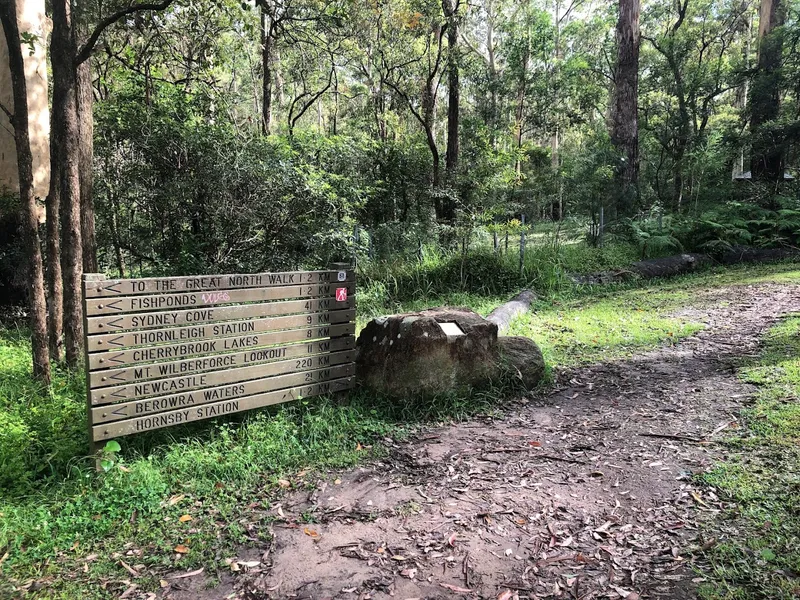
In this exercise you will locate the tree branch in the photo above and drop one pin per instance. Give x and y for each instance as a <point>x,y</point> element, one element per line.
<point>9,114</point>
<point>86,51</point>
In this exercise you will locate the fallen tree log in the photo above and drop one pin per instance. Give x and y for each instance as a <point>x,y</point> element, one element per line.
<point>505,313</point>
<point>681,264</point>
<point>746,254</point>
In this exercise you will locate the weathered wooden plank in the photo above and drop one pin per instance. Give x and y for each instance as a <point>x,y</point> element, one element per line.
<point>119,341</point>
<point>205,315</point>
<point>127,304</point>
<point>138,408</point>
<point>185,383</point>
<point>213,362</point>
<point>109,431</point>
<point>151,354</point>
<point>207,283</point>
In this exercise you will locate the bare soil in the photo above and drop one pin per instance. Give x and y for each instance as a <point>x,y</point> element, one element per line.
<point>585,492</point>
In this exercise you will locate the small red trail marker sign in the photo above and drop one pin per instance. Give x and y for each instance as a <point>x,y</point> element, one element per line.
<point>164,351</point>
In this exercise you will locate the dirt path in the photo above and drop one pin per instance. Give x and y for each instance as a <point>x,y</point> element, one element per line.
<point>585,493</point>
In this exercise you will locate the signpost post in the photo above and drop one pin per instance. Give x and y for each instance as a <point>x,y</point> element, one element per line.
<point>165,351</point>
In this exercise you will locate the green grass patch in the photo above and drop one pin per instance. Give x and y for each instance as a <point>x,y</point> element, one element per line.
<point>762,477</point>
<point>610,326</point>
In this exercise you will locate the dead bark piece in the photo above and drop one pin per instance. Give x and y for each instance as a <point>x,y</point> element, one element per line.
<point>505,313</point>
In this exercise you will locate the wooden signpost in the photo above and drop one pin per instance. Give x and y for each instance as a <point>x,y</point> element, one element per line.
<point>164,351</point>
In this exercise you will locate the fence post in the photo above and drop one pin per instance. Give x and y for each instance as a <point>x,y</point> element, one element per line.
<point>522,246</point>
<point>356,244</point>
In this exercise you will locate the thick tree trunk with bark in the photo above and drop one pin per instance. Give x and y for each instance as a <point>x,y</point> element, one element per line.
<point>450,8</point>
<point>767,156</point>
<point>428,116</point>
<point>55,284</point>
<point>66,136</point>
<point>624,107</point>
<point>30,221</point>
<point>86,125</point>
<point>740,100</point>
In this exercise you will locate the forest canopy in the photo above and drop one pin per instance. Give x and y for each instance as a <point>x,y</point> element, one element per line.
<point>237,136</point>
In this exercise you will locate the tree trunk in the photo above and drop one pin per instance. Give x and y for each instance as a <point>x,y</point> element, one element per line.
<point>267,41</point>
<point>55,289</point>
<point>66,136</point>
<point>30,221</point>
<point>453,96</point>
<point>494,82</point>
<point>766,162</point>
<point>429,137</point>
<point>519,111</point>
<point>740,100</point>
<point>518,115</point>
<point>116,237</point>
<point>555,157</point>
<point>624,109</point>
<point>86,125</point>
<point>428,116</point>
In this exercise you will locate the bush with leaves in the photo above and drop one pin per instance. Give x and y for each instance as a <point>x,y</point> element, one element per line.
<point>742,224</point>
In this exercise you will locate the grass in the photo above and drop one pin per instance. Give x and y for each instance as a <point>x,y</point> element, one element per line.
<point>69,529</point>
<point>581,325</point>
<point>760,557</point>
<point>615,325</point>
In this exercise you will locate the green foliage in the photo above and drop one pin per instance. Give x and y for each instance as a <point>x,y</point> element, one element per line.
<point>742,224</point>
<point>588,329</point>
<point>52,423</point>
<point>482,272</point>
<point>15,439</point>
<point>653,240</point>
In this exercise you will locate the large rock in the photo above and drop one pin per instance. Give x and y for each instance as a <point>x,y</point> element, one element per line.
<point>523,358</point>
<point>427,353</point>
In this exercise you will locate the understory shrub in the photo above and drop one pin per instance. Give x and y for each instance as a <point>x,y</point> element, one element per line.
<point>741,224</point>
<point>15,438</point>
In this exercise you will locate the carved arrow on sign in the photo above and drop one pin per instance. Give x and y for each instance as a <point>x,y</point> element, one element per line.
<point>120,412</point>
<point>115,304</point>
<point>119,376</point>
<point>110,288</point>
<point>115,323</point>
<point>115,341</point>
<point>116,358</point>
<point>119,394</point>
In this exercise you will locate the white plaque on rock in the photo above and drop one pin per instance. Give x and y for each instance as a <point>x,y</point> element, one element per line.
<point>451,329</point>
